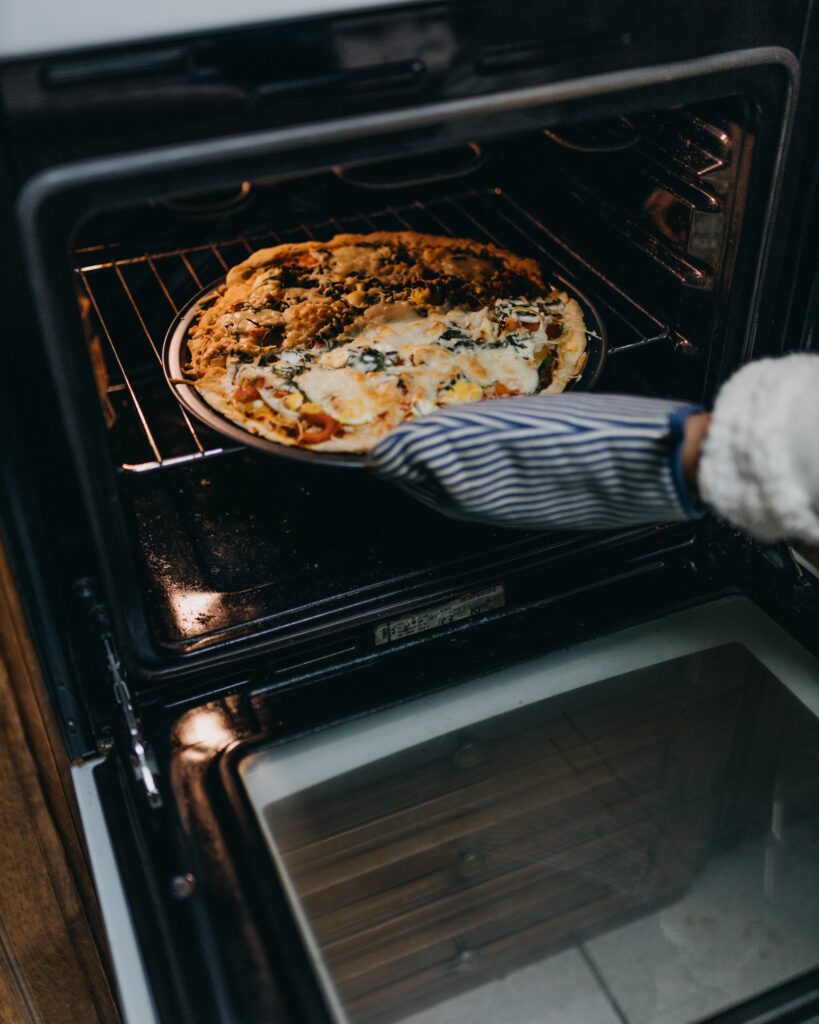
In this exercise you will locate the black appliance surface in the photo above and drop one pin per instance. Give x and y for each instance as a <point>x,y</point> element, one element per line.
<point>660,156</point>
<point>677,232</point>
<point>637,813</point>
<point>668,251</point>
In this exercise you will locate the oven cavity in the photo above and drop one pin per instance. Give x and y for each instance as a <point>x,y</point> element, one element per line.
<point>641,214</point>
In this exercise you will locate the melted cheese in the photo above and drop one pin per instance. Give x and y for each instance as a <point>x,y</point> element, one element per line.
<point>401,364</point>
<point>350,396</point>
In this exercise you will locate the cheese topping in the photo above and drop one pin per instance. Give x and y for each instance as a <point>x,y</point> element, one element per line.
<point>398,365</point>
<point>334,344</point>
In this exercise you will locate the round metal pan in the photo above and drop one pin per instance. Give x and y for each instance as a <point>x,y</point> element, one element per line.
<point>175,356</point>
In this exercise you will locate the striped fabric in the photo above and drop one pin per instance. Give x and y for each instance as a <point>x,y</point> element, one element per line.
<point>566,461</point>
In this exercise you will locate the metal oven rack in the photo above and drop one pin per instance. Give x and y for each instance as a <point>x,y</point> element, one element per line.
<point>134,298</point>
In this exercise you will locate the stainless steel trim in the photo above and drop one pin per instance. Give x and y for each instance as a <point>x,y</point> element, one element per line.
<point>135,1000</point>
<point>55,27</point>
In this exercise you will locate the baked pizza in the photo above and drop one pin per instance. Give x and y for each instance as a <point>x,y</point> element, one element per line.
<point>329,345</point>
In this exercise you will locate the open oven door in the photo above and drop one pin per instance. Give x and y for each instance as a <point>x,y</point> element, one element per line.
<point>466,829</point>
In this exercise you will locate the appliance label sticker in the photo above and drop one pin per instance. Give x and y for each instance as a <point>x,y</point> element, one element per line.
<point>441,615</point>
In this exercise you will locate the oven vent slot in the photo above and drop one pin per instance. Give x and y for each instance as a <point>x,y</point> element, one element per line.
<point>515,56</point>
<point>115,67</point>
<point>134,296</point>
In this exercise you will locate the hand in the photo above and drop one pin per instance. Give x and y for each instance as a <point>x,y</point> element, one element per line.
<point>694,434</point>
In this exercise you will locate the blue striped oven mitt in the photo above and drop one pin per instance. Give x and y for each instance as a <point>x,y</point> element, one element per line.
<point>570,461</point>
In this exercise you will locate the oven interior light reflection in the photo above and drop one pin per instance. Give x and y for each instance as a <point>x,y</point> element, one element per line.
<point>205,729</point>
<point>195,609</point>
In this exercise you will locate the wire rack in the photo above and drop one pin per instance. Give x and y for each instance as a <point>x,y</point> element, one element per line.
<point>135,298</point>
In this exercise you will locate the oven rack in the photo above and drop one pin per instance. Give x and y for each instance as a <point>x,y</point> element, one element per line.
<point>134,299</point>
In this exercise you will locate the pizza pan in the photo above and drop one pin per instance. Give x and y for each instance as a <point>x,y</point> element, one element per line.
<point>175,356</point>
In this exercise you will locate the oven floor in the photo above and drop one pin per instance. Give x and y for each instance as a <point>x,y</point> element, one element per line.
<point>624,831</point>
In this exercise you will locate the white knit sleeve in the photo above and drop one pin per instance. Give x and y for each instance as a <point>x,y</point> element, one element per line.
<point>760,461</point>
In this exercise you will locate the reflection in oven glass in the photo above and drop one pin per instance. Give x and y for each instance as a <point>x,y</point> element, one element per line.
<point>643,849</point>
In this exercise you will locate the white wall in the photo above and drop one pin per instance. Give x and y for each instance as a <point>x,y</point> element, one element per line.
<point>30,27</point>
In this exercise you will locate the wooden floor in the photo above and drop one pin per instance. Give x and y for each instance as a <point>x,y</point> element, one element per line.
<point>52,952</point>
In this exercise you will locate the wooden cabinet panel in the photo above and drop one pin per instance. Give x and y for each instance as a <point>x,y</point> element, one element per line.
<point>51,964</point>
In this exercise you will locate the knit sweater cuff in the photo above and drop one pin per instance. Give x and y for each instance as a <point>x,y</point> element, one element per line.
<point>750,469</point>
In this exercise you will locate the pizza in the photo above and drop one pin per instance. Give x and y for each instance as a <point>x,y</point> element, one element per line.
<point>330,345</point>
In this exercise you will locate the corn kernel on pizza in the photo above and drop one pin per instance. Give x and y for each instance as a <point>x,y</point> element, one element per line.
<point>329,345</point>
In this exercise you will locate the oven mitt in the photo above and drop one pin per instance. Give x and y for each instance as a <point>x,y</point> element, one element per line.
<point>567,461</point>
<point>760,461</point>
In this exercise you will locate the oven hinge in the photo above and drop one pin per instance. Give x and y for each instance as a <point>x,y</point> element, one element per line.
<point>140,753</point>
<point>141,759</point>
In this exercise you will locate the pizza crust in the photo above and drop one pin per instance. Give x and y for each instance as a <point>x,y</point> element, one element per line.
<point>359,333</point>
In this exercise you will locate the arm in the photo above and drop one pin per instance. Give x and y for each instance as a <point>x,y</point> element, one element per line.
<point>570,461</point>
<point>576,461</point>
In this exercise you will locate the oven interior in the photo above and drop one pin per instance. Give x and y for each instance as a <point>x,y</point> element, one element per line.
<point>643,213</point>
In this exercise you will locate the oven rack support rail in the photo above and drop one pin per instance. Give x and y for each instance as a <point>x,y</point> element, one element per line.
<point>134,298</point>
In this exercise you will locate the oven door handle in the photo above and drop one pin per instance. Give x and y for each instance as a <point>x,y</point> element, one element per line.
<point>393,75</point>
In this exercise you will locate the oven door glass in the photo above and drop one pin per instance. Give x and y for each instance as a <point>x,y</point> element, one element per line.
<point>625,831</point>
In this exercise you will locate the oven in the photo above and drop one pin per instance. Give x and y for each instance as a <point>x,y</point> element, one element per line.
<point>340,759</point>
